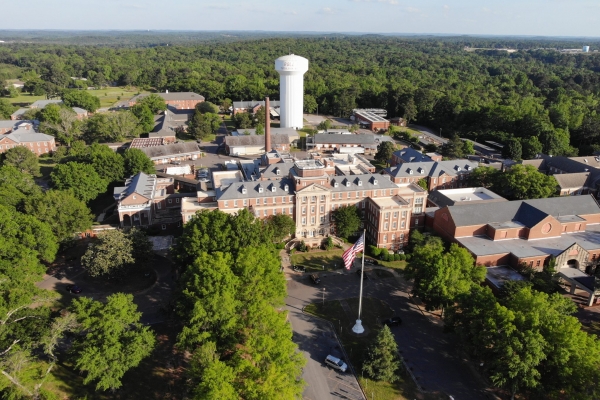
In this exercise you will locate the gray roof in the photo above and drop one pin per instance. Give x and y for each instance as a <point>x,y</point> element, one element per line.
<point>171,150</point>
<point>360,182</point>
<point>173,96</point>
<point>411,155</point>
<point>44,103</point>
<point>432,168</point>
<point>252,103</point>
<point>363,139</point>
<point>22,135</point>
<point>271,170</point>
<point>79,110</point>
<point>525,212</point>
<point>482,246</point>
<point>574,180</point>
<point>253,189</point>
<point>7,123</point>
<point>20,111</point>
<point>291,132</point>
<point>141,183</point>
<point>256,140</point>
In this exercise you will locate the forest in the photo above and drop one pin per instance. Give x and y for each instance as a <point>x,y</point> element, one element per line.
<point>543,98</point>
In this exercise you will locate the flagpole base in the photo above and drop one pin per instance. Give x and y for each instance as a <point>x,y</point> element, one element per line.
<point>358,328</point>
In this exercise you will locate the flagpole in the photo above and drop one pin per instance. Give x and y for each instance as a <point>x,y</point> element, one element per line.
<point>358,328</point>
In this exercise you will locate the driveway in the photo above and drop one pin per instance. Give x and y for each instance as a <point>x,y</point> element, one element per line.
<point>429,352</point>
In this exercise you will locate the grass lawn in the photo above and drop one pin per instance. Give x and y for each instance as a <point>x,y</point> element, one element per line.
<point>315,259</point>
<point>107,96</point>
<point>47,165</point>
<point>393,264</point>
<point>229,123</point>
<point>373,311</point>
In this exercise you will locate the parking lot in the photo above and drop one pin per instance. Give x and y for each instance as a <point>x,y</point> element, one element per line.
<point>431,354</point>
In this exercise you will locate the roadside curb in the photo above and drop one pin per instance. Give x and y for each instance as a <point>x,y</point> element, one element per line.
<point>341,346</point>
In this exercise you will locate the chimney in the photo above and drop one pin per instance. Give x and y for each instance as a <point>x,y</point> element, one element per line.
<point>267,125</point>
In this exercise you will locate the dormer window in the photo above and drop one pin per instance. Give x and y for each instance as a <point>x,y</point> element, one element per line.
<point>273,188</point>
<point>277,171</point>
<point>374,181</point>
<point>286,188</point>
<point>347,183</point>
<point>359,183</point>
<point>260,189</point>
<point>335,184</point>
<point>410,171</point>
<point>458,168</point>
<point>468,167</point>
<point>244,190</point>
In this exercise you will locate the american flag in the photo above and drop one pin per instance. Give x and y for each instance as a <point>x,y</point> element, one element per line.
<point>350,254</point>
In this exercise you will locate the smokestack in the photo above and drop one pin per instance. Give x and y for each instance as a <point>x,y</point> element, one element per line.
<point>267,125</point>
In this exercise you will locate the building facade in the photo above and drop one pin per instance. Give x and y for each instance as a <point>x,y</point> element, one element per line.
<point>38,143</point>
<point>437,174</point>
<point>177,100</point>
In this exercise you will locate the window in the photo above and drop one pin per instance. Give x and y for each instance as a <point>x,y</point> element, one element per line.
<point>322,197</point>
<point>312,210</point>
<point>158,205</point>
<point>393,237</point>
<point>537,264</point>
<point>384,238</point>
<point>363,204</point>
<point>375,193</point>
<point>291,199</point>
<point>531,263</point>
<point>394,225</point>
<point>164,227</point>
<point>312,220</point>
<point>235,203</point>
<point>274,211</point>
<point>322,219</point>
<point>418,210</point>
<point>226,203</point>
<point>264,213</point>
<point>313,199</point>
<point>387,215</point>
<point>177,200</point>
<point>303,210</point>
<point>245,202</point>
<point>283,211</point>
<point>403,214</point>
<point>303,220</point>
<point>304,199</point>
<point>333,196</point>
<point>396,214</point>
<point>403,224</point>
<point>322,209</point>
<point>386,226</point>
<point>419,200</point>
<point>364,193</point>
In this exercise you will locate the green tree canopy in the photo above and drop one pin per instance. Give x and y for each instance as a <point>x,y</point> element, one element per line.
<point>204,124</point>
<point>385,151</point>
<point>154,102</point>
<point>242,120</point>
<point>112,340</point>
<point>512,149</point>
<point>523,182</point>
<point>347,221</point>
<point>207,107</point>
<point>16,187</point>
<point>382,361</point>
<point>67,129</point>
<point>145,117</point>
<point>136,161</point>
<point>62,211</point>
<point>106,162</point>
<point>6,109</point>
<point>23,159</point>
<point>82,99</point>
<point>80,179</point>
<point>281,226</point>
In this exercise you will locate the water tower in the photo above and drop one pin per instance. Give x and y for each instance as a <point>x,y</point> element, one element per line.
<point>291,89</point>
<point>586,49</point>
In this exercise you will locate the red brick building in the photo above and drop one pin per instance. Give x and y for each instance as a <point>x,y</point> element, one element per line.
<point>438,174</point>
<point>526,232</point>
<point>38,143</point>
<point>177,100</point>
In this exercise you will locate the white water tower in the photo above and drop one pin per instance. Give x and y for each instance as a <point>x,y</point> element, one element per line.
<point>586,49</point>
<point>291,89</point>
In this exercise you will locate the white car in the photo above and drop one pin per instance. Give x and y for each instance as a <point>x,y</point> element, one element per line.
<point>335,363</point>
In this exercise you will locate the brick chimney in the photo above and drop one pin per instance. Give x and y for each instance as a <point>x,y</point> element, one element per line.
<point>267,125</point>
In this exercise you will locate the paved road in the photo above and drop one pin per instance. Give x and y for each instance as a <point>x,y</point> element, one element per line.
<point>429,133</point>
<point>428,351</point>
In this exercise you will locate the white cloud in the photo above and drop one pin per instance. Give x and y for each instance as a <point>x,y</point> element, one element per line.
<point>327,10</point>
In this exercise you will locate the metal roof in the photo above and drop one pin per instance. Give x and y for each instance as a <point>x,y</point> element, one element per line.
<point>174,149</point>
<point>23,135</point>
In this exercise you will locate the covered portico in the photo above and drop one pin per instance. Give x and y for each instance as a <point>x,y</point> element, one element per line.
<point>579,280</point>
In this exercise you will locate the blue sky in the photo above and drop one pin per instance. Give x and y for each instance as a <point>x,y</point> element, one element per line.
<point>506,17</point>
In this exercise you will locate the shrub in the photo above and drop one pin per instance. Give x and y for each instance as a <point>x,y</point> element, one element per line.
<point>384,253</point>
<point>407,257</point>
<point>401,257</point>
<point>396,257</point>
<point>374,250</point>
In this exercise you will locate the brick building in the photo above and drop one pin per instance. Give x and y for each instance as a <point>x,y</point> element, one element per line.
<point>526,232</point>
<point>38,143</point>
<point>177,100</point>
<point>350,144</point>
<point>371,119</point>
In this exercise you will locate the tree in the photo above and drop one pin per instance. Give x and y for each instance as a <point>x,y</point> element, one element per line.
<point>467,148</point>
<point>63,213</point>
<point>454,148</point>
<point>68,129</point>
<point>382,361</point>
<point>207,107</point>
<point>111,255</point>
<point>487,177</point>
<point>410,110</point>
<point>385,151</point>
<point>310,104</point>
<point>23,160</point>
<point>137,161</point>
<point>112,340</point>
<point>281,226</point>
<point>109,165</point>
<point>50,114</point>
<point>6,109</point>
<point>82,99</point>
<point>512,149</point>
<point>423,184</point>
<point>325,125</point>
<point>116,253</point>
<point>260,117</point>
<point>531,147</point>
<point>354,128</point>
<point>226,105</point>
<point>242,120</point>
<point>202,125</point>
<point>113,127</point>
<point>16,187</point>
<point>347,221</point>
<point>145,117</point>
<point>523,182</point>
<point>80,179</point>
<point>154,102</point>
